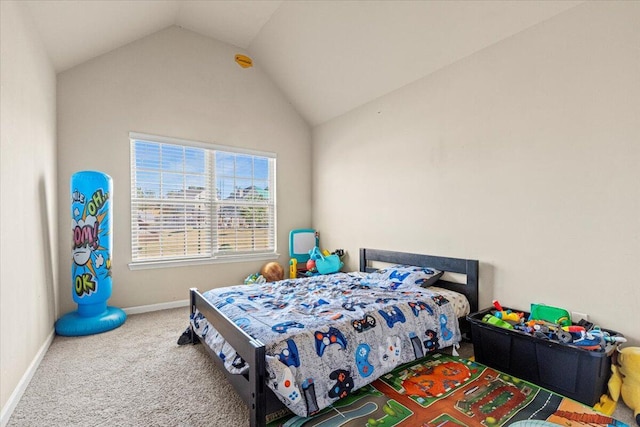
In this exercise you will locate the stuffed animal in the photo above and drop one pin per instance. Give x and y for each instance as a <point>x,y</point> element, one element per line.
<point>625,379</point>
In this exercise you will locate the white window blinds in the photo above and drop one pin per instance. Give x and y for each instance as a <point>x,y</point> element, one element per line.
<point>192,201</point>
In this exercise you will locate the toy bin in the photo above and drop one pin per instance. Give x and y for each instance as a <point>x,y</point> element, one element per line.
<point>565,369</point>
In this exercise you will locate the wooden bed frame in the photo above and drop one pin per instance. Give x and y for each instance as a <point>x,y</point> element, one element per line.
<point>252,386</point>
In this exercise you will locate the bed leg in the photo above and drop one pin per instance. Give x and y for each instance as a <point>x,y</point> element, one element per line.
<point>189,336</point>
<point>258,409</point>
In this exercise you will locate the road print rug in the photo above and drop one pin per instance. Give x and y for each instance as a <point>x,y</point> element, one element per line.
<point>447,391</point>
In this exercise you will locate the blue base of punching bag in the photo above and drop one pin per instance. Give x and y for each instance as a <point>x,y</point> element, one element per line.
<point>84,322</point>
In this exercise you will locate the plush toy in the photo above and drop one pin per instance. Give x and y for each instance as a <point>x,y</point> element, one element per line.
<point>254,278</point>
<point>625,379</point>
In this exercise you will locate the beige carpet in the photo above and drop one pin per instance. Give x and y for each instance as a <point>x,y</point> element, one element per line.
<point>136,375</point>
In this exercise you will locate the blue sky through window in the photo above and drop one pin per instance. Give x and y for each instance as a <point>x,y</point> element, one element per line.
<point>171,169</point>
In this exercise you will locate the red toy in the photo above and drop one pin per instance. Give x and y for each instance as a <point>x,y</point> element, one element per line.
<point>507,315</point>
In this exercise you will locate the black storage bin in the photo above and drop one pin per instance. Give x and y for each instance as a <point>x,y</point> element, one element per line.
<point>568,370</point>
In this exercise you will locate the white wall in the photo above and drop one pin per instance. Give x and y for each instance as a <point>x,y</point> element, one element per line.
<point>28,258</point>
<point>525,156</point>
<point>173,83</point>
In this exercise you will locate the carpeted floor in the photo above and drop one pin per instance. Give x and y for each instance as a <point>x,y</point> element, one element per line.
<point>136,375</point>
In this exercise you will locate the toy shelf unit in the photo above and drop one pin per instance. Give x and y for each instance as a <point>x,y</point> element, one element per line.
<point>566,369</point>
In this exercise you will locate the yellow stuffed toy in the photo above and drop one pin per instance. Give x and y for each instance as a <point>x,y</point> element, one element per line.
<point>625,380</point>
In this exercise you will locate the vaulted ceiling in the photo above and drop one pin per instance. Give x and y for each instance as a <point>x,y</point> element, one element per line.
<point>328,57</point>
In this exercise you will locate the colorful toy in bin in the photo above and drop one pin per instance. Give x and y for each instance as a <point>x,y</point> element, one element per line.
<point>495,321</point>
<point>507,315</point>
<point>550,314</point>
<point>552,323</point>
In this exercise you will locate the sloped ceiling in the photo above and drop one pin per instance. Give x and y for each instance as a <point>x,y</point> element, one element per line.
<point>328,57</point>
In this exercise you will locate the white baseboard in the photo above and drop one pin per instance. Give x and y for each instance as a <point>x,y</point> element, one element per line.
<point>156,307</point>
<point>15,397</point>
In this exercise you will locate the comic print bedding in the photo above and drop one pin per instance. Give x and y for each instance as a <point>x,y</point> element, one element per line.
<point>328,335</point>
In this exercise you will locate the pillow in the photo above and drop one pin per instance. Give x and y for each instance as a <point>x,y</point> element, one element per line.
<point>407,275</point>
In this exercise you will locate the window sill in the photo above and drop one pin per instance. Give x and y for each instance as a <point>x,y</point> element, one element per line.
<point>146,265</point>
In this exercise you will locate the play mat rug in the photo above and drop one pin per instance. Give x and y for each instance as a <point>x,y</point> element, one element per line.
<point>442,390</point>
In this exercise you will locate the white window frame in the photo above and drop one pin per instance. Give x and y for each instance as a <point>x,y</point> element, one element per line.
<point>214,203</point>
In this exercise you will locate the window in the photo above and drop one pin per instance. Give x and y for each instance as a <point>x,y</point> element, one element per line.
<point>199,202</point>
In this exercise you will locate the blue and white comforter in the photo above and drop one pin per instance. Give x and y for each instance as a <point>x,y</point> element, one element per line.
<point>326,336</point>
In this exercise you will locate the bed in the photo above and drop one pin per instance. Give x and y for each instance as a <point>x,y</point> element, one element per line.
<point>378,310</point>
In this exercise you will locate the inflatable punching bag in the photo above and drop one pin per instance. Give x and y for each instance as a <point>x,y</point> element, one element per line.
<point>91,281</point>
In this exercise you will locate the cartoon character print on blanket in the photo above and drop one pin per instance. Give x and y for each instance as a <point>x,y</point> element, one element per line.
<point>325,339</point>
<point>446,333</point>
<point>343,384</point>
<point>365,368</point>
<point>285,385</point>
<point>329,335</point>
<point>367,322</point>
<point>290,356</point>
<point>431,343</point>
<point>420,306</point>
<point>392,315</point>
<point>390,353</point>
